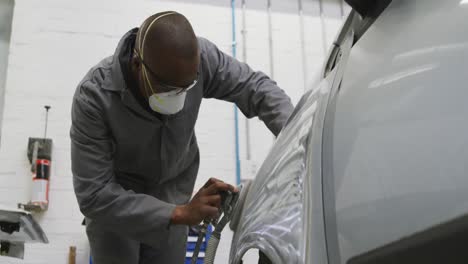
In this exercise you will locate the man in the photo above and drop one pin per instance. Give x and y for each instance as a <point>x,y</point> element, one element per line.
<point>134,152</point>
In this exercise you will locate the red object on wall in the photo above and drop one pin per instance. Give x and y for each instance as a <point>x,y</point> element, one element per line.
<point>40,186</point>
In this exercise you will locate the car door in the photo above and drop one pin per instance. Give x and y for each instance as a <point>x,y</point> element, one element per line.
<point>396,139</point>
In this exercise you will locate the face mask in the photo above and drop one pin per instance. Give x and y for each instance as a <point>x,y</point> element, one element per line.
<point>167,103</point>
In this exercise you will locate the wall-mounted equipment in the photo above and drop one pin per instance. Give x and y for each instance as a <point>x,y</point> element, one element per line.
<point>40,156</point>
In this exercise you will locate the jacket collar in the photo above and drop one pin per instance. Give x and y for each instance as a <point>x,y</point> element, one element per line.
<point>118,81</point>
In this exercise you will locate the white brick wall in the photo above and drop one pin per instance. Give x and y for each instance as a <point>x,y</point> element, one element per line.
<point>54,43</point>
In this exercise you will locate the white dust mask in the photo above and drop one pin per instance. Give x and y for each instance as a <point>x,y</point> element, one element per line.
<point>167,103</point>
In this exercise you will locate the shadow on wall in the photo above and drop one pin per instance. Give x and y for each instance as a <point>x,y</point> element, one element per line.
<point>6,17</point>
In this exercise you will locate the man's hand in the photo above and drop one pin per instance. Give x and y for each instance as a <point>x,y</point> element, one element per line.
<point>204,205</point>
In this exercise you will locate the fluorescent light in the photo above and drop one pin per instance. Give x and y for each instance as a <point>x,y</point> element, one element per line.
<point>464,2</point>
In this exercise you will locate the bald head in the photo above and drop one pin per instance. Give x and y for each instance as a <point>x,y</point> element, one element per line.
<point>168,46</point>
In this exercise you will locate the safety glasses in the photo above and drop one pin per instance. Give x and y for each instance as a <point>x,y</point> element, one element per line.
<point>167,87</point>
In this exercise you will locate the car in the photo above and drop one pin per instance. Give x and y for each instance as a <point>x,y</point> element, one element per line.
<point>18,227</point>
<point>372,165</point>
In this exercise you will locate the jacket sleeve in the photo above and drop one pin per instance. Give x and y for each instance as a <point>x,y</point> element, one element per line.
<point>253,92</point>
<point>138,216</point>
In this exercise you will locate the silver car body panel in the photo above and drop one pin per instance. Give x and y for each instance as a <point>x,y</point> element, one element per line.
<point>399,129</point>
<point>390,150</point>
<point>274,218</point>
<point>283,216</point>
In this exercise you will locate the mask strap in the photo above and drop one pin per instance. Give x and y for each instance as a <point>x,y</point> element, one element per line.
<point>135,51</point>
<point>145,77</point>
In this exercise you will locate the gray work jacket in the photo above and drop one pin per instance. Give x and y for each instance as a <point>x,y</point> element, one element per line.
<point>130,169</point>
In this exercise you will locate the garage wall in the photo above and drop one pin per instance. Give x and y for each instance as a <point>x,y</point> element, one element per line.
<point>55,42</point>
